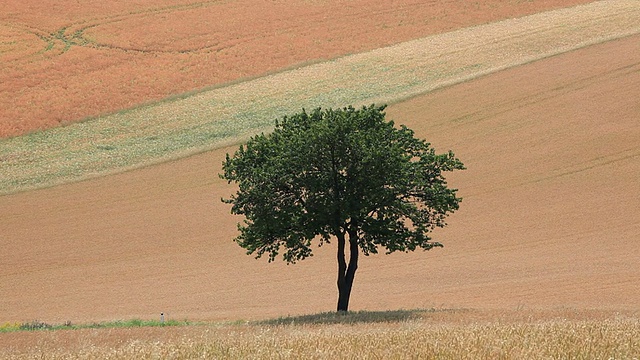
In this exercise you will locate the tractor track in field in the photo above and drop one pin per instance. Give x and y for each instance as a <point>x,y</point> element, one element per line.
<point>225,115</point>
<point>73,34</point>
<point>81,27</point>
<point>60,40</point>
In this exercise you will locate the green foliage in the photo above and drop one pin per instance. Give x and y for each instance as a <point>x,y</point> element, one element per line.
<point>331,173</point>
<point>9,326</point>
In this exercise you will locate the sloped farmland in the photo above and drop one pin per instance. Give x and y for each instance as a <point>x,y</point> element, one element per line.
<point>229,114</point>
<point>549,218</point>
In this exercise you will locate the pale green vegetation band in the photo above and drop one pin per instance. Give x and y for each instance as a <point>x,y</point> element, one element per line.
<point>228,115</point>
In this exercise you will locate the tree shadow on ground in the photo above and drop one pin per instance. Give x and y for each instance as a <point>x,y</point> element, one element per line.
<point>351,317</point>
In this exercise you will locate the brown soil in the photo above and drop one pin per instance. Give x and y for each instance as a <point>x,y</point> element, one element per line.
<point>549,218</point>
<point>62,62</point>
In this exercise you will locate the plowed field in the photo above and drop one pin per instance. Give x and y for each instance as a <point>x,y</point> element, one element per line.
<point>549,217</point>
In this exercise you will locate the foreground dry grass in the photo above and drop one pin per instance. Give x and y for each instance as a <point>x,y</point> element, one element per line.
<point>433,334</point>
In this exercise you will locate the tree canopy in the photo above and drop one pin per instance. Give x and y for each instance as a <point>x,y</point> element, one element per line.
<point>347,175</point>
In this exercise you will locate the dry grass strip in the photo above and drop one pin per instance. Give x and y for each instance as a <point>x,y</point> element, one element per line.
<point>221,116</point>
<point>611,337</point>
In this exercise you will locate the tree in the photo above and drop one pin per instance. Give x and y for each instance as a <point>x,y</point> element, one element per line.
<point>346,175</point>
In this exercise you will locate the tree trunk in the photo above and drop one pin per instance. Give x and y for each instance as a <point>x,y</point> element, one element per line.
<point>346,273</point>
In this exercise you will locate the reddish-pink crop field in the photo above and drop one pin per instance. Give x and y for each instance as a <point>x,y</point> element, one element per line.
<point>63,61</point>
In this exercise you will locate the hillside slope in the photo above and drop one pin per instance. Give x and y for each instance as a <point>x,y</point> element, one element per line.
<point>218,117</point>
<point>549,217</point>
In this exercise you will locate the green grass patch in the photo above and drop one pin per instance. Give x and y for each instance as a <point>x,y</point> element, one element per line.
<point>37,325</point>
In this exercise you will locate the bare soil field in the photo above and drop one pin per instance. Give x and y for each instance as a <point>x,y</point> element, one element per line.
<point>549,217</point>
<point>63,61</point>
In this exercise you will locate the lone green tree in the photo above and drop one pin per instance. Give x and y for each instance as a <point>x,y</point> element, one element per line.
<point>342,175</point>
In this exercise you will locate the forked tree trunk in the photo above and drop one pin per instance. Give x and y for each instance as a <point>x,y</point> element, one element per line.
<point>346,273</point>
